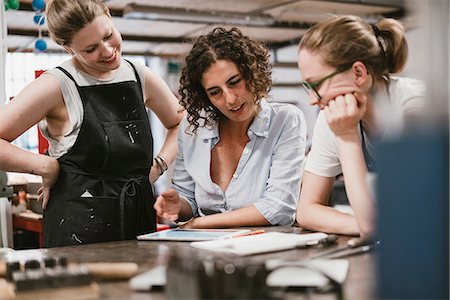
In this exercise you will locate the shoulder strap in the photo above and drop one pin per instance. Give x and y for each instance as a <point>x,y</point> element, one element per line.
<point>67,74</point>
<point>135,71</point>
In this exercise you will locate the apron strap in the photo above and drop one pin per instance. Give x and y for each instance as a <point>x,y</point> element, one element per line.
<point>67,74</point>
<point>138,79</point>
<point>131,189</point>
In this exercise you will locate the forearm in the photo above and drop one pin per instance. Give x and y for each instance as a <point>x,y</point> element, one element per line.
<point>15,159</point>
<point>247,216</point>
<point>166,155</point>
<point>355,173</point>
<point>169,149</point>
<point>319,217</point>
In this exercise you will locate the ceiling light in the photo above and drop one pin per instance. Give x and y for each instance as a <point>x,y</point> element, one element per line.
<point>136,11</point>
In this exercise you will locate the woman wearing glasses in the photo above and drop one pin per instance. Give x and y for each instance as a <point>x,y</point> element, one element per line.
<point>346,65</point>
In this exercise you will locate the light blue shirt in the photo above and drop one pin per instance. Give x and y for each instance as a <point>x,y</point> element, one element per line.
<point>268,174</point>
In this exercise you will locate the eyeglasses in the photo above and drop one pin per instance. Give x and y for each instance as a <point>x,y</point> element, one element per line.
<point>313,86</point>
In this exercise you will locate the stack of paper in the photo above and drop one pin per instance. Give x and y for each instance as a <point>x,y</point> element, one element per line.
<point>260,243</point>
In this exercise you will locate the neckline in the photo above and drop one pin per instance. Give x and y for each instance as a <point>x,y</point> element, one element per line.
<point>79,68</point>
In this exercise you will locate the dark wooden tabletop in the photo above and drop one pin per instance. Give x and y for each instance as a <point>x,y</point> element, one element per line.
<point>359,284</point>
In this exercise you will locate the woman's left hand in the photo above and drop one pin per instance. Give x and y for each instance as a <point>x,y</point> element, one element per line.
<point>345,112</point>
<point>49,177</point>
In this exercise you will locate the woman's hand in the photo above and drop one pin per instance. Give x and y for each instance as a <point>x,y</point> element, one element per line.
<point>168,205</point>
<point>49,178</point>
<point>345,112</point>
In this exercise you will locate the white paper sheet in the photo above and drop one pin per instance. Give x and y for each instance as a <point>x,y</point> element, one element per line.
<point>260,243</point>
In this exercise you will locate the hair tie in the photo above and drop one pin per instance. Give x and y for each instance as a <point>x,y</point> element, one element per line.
<point>379,36</point>
<point>376,30</point>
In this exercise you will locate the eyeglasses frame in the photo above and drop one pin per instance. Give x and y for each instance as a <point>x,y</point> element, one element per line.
<point>312,86</point>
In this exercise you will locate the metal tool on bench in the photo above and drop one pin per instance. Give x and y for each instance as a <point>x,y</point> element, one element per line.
<point>50,276</point>
<point>352,247</point>
<point>101,270</point>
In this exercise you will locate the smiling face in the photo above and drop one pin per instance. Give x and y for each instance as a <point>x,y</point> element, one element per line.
<point>96,47</point>
<point>314,70</point>
<point>227,91</point>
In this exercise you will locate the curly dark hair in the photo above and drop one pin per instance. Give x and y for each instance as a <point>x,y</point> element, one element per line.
<point>250,57</point>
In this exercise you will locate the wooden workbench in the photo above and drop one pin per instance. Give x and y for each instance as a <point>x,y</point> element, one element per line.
<point>147,254</point>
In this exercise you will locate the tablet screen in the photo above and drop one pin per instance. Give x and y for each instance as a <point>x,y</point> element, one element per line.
<point>192,234</point>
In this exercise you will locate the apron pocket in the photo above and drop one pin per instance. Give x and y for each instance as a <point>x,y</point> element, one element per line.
<point>92,219</point>
<point>130,143</point>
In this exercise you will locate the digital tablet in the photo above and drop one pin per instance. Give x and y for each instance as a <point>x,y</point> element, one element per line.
<point>179,234</point>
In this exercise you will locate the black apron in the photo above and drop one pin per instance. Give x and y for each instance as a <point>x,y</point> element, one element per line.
<point>103,191</point>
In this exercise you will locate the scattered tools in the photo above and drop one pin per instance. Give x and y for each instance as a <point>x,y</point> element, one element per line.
<point>52,277</point>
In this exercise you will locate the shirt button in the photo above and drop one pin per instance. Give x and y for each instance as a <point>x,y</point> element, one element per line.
<point>235,176</point>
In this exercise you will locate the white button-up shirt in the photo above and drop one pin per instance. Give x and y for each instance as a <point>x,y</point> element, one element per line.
<point>268,174</point>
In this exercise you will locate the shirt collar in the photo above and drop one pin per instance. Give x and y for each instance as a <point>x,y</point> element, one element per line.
<point>259,126</point>
<point>261,123</point>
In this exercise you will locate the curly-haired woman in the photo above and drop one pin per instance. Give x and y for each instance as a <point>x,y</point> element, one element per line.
<point>239,159</point>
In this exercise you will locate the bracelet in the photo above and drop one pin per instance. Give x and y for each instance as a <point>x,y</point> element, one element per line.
<point>161,164</point>
<point>181,223</point>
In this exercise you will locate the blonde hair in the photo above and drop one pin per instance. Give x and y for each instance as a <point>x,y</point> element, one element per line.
<point>342,40</point>
<point>67,17</point>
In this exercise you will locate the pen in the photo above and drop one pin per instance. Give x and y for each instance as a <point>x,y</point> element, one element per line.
<point>250,233</point>
<point>347,250</point>
<point>350,251</point>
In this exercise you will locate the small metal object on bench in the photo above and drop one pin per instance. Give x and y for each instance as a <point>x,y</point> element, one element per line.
<point>353,246</point>
<point>53,272</point>
<point>48,277</point>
